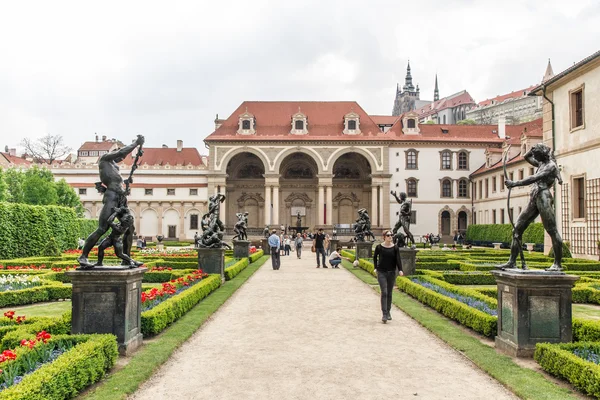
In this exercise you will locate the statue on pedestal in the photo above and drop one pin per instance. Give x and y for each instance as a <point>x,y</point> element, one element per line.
<point>298,221</point>
<point>362,228</point>
<point>540,203</point>
<point>240,226</point>
<point>115,191</point>
<point>403,221</point>
<point>123,215</point>
<point>212,227</point>
<point>266,232</point>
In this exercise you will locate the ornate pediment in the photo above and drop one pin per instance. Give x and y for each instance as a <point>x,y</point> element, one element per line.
<point>255,196</point>
<point>350,196</point>
<point>302,196</point>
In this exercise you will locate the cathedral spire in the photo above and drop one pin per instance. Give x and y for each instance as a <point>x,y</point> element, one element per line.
<point>436,92</point>
<point>408,85</point>
<point>549,73</point>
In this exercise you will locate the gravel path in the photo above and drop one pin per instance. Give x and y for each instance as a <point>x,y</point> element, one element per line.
<point>307,333</point>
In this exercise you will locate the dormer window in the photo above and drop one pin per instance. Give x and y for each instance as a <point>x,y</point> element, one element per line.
<point>299,123</point>
<point>410,123</point>
<point>351,124</point>
<point>246,124</point>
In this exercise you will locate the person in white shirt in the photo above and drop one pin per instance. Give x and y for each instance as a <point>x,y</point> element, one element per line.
<point>335,258</point>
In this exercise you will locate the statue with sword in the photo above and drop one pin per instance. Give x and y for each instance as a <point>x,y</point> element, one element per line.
<point>540,203</point>
<point>115,191</point>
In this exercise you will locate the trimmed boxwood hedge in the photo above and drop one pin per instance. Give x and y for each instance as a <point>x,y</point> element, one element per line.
<point>502,233</point>
<point>256,256</point>
<point>348,254</point>
<point>469,278</point>
<point>232,271</point>
<point>558,360</point>
<point>73,371</point>
<point>157,319</point>
<point>48,291</point>
<point>54,325</point>
<point>585,330</point>
<point>468,316</point>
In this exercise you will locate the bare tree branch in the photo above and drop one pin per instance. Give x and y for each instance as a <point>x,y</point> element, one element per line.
<point>46,149</point>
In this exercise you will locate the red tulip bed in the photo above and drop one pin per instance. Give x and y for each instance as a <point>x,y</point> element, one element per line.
<point>153,297</point>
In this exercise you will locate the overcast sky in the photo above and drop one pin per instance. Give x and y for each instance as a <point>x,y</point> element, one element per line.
<point>119,68</point>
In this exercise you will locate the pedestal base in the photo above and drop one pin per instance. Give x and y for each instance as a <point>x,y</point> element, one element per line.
<point>334,244</point>
<point>364,250</point>
<point>409,260</point>
<point>264,244</point>
<point>160,246</point>
<point>241,248</point>
<point>108,300</point>
<point>212,261</point>
<point>533,307</point>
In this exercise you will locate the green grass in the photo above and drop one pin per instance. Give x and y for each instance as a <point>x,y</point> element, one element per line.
<point>586,311</point>
<point>50,309</point>
<point>525,383</point>
<point>152,355</point>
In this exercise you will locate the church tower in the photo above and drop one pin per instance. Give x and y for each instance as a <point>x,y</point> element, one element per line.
<point>436,92</point>
<point>406,98</point>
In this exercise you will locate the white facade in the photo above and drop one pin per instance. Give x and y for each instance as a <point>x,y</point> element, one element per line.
<point>515,110</point>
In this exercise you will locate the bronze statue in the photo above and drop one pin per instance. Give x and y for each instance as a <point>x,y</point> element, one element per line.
<point>362,228</point>
<point>123,214</point>
<point>403,220</point>
<point>266,232</point>
<point>540,203</point>
<point>240,226</point>
<point>298,220</point>
<point>212,226</point>
<point>115,191</point>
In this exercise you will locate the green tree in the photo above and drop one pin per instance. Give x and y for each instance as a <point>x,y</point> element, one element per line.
<point>430,122</point>
<point>466,122</point>
<point>3,187</point>
<point>14,181</point>
<point>67,197</point>
<point>39,187</point>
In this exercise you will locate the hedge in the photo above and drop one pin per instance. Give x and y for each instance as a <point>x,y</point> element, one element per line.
<point>468,316</point>
<point>157,319</point>
<point>558,360</point>
<point>236,268</point>
<point>469,278</point>
<point>48,291</point>
<point>502,233</point>
<point>53,325</point>
<point>256,256</point>
<point>585,330</point>
<point>350,255</point>
<point>85,227</point>
<point>438,265</point>
<point>74,370</point>
<point>25,229</point>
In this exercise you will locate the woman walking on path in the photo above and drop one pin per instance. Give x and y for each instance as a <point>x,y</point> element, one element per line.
<point>298,244</point>
<point>386,260</point>
<point>286,245</point>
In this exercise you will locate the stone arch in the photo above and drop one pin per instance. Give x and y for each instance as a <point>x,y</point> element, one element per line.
<point>87,213</point>
<point>461,225</point>
<point>367,155</point>
<point>443,229</point>
<point>148,222</point>
<point>345,206</point>
<point>254,204</point>
<point>311,153</point>
<point>171,219</point>
<point>229,155</point>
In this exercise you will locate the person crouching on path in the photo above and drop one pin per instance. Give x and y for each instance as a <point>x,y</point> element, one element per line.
<point>319,244</point>
<point>275,245</point>
<point>386,260</point>
<point>298,244</point>
<point>335,258</point>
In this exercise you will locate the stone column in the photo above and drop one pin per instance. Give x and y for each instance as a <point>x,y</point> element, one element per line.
<point>320,202</point>
<point>329,202</point>
<point>159,211</point>
<point>182,220</point>
<point>276,205</point>
<point>267,211</point>
<point>374,208</point>
<point>380,222</point>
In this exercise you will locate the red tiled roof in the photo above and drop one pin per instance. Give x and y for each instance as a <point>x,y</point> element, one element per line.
<point>384,119</point>
<point>564,73</point>
<point>162,156</point>
<point>15,160</point>
<point>501,98</point>
<point>494,150</point>
<point>91,146</point>
<point>454,100</point>
<point>273,122</point>
<point>516,159</point>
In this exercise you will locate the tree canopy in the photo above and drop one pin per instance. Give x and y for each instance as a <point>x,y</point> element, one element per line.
<point>46,149</point>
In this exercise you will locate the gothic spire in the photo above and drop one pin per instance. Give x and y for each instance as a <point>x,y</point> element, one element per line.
<point>408,85</point>
<point>549,73</point>
<point>436,92</point>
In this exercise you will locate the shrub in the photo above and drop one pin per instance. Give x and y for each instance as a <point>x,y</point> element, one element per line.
<point>256,256</point>
<point>158,318</point>
<point>51,249</point>
<point>235,269</point>
<point>586,330</point>
<point>463,278</point>
<point>502,233</point>
<point>55,326</point>
<point>566,251</point>
<point>76,369</point>
<point>559,360</point>
<point>348,254</point>
<point>86,226</point>
<point>48,291</point>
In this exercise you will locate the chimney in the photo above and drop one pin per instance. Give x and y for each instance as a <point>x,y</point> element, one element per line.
<point>104,138</point>
<point>164,146</point>
<point>218,122</point>
<point>6,149</point>
<point>96,138</point>
<point>179,145</point>
<point>502,127</point>
<point>12,152</point>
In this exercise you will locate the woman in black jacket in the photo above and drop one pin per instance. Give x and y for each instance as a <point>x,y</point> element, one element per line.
<point>386,259</point>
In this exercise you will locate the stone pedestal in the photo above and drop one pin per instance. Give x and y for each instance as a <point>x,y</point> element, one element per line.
<point>212,261</point>
<point>108,300</point>
<point>409,260</point>
<point>241,248</point>
<point>160,246</point>
<point>334,244</point>
<point>529,247</point>
<point>533,307</point>
<point>264,244</point>
<point>364,250</point>
<point>497,246</point>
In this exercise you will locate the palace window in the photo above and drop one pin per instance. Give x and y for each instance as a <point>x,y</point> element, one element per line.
<point>487,188</point>
<point>193,192</point>
<point>579,198</point>
<point>463,160</point>
<point>446,188</point>
<point>493,184</point>
<point>299,125</point>
<point>410,123</point>
<point>502,215</point>
<point>521,174</point>
<point>446,160</point>
<point>351,124</point>
<point>246,124</point>
<point>194,221</point>
<point>411,187</point>
<point>480,190</point>
<point>577,115</point>
<point>170,192</point>
<point>463,188</point>
<point>83,153</point>
<point>148,192</point>
<point>411,159</point>
<point>493,216</point>
<point>82,191</point>
<point>531,171</point>
<point>413,217</point>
